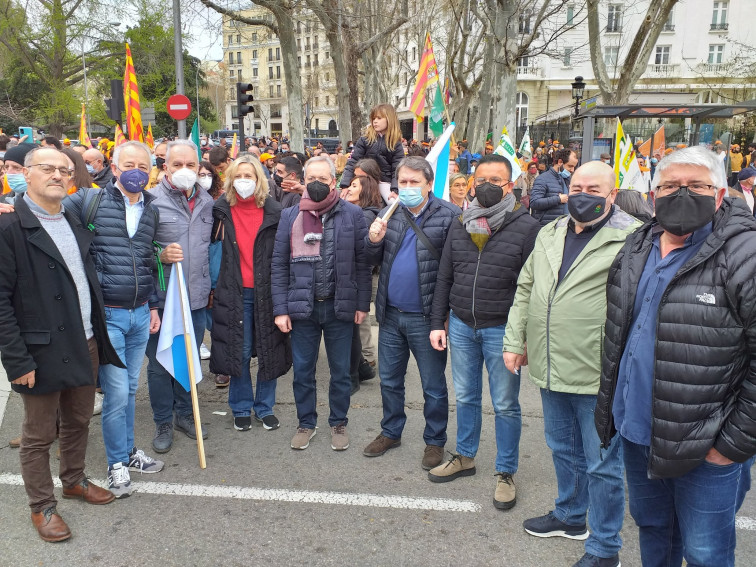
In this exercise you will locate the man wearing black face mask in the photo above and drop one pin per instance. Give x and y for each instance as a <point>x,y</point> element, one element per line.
<point>477,278</point>
<point>678,380</point>
<point>548,197</point>
<point>287,176</point>
<point>321,287</point>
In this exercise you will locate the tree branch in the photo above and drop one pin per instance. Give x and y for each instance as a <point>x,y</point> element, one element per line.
<point>235,16</point>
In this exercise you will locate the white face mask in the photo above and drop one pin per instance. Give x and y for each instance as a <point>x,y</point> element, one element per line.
<point>205,182</point>
<point>184,179</point>
<point>244,187</point>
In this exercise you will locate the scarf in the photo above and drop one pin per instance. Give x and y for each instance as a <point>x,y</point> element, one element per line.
<point>481,223</point>
<point>307,230</point>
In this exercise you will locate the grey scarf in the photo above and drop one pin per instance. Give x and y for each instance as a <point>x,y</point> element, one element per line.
<point>481,222</point>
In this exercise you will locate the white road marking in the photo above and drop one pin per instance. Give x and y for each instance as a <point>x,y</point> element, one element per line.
<point>281,495</point>
<point>745,523</point>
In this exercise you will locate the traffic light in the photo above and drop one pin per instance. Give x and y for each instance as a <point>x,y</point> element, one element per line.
<point>243,97</point>
<point>114,105</point>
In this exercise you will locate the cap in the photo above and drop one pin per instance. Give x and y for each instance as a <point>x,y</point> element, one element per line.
<point>18,153</point>
<point>66,142</point>
<point>746,173</point>
<point>265,157</point>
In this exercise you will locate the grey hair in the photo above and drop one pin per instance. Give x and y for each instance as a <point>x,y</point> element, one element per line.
<point>30,154</point>
<point>131,144</point>
<point>696,155</point>
<point>324,159</point>
<point>416,163</point>
<point>178,143</point>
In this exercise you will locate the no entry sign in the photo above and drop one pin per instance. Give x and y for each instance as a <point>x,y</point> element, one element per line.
<point>179,107</point>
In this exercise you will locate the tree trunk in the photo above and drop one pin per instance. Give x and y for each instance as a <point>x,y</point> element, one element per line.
<point>292,76</point>
<point>357,119</point>
<point>479,117</point>
<point>505,94</point>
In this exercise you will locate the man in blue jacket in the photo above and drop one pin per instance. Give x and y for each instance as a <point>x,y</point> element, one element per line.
<point>548,198</point>
<point>321,286</point>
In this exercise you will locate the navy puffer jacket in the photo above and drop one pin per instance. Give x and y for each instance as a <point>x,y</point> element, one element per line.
<point>125,266</point>
<point>435,224</point>
<point>545,205</point>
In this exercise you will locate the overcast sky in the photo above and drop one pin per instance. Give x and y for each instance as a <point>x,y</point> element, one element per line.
<point>204,27</point>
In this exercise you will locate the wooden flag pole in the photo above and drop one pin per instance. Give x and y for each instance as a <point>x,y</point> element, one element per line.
<point>387,215</point>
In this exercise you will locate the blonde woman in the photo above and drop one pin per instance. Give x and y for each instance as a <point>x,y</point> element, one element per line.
<point>458,190</point>
<point>246,218</point>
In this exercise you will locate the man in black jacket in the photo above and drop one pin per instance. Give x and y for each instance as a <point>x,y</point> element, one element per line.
<point>679,364</point>
<point>52,335</point>
<point>408,249</point>
<point>484,253</point>
<point>548,198</point>
<point>97,167</point>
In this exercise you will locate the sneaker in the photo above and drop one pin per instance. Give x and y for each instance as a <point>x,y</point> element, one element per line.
<point>185,423</point>
<point>222,380</point>
<point>301,440</point>
<point>505,495</point>
<point>549,526</point>
<point>269,422</point>
<point>432,457</point>
<point>589,560</point>
<point>243,423</point>
<point>119,482</point>
<point>339,438</point>
<point>163,440</point>
<point>204,353</point>
<point>455,467</point>
<point>97,410</point>
<point>138,461</point>
<point>366,370</point>
<point>380,445</point>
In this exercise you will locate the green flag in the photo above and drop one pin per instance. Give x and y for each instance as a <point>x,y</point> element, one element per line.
<point>195,137</point>
<point>436,117</point>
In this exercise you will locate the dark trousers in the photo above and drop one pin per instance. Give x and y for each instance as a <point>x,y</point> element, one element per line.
<point>73,409</point>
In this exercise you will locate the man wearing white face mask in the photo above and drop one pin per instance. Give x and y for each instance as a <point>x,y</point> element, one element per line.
<point>186,220</point>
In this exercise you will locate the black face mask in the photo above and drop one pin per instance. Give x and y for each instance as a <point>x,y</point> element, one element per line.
<point>586,208</point>
<point>159,162</point>
<point>683,213</point>
<point>317,190</point>
<point>488,194</point>
<point>278,179</point>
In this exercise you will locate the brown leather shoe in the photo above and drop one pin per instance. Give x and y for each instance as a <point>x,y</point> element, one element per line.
<point>89,492</point>
<point>15,443</point>
<point>432,457</point>
<point>50,525</point>
<point>222,381</point>
<point>380,445</point>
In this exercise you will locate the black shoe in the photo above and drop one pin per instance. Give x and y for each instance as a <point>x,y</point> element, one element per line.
<point>269,422</point>
<point>549,526</point>
<point>589,560</point>
<point>366,371</point>
<point>185,424</point>
<point>243,423</point>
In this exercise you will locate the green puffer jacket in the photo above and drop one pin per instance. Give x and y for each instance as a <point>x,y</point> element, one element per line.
<point>563,326</point>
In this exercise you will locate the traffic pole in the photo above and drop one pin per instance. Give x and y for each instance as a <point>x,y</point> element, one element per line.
<point>178,53</point>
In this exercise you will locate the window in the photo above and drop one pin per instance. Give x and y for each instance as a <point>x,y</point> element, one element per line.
<point>299,60</point>
<point>414,53</point>
<point>299,27</point>
<point>611,55</point>
<point>328,54</point>
<point>567,56</point>
<point>270,72</point>
<point>570,15</point>
<point>234,112</point>
<point>308,61</point>
<point>232,74</point>
<point>238,57</point>
<point>525,23</point>
<point>254,54</point>
<point>278,90</point>
<point>238,38</point>
<point>278,53</point>
<point>307,43</point>
<point>239,74</point>
<point>299,43</point>
<point>315,60</point>
<point>230,58</point>
<point>522,62</point>
<point>271,91</point>
<point>716,52</point>
<point>317,123</point>
<point>521,109</point>
<point>270,54</point>
<point>254,72</point>
<point>327,77</point>
<point>614,18</point>
<point>669,25</point>
<point>719,16</point>
<point>278,71</point>
<point>662,55</point>
<point>328,100</point>
<point>230,39</point>
<point>307,27</point>
<point>254,37</point>
<point>317,101</point>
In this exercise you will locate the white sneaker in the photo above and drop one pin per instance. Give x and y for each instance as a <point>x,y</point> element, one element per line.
<point>138,461</point>
<point>98,403</point>
<point>204,353</point>
<point>119,481</point>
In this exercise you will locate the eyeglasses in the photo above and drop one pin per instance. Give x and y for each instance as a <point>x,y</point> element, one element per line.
<point>693,189</point>
<point>495,180</point>
<point>48,169</point>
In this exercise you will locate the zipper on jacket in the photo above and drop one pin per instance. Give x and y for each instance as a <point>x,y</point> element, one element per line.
<point>475,283</point>
<point>136,277</point>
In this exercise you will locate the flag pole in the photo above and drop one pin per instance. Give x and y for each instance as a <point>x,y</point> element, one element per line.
<point>192,382</point>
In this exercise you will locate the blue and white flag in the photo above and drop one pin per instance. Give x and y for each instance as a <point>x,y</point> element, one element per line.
<point>438,158</point>
<point>177,321</point>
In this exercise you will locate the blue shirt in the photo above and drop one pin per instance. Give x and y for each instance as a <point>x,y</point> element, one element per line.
<point>635,381</point>
<point>133,214</point>
<point>404,279</point>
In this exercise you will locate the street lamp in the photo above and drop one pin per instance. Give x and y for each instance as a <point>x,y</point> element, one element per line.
<point>577,93</point>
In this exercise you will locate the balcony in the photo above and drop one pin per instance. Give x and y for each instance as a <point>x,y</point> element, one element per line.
<point>529,72</point>
<point>666,70</point>
<point>668,28</point>
<point>719,27</point>
<point>711,68</point>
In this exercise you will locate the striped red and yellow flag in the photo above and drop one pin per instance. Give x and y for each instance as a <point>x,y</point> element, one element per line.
<point>148,139</point>
<point>131,100</point>
<point>427,75</point>
<point>83,134</point>
<point>119,137</point>
<point>234,153</point>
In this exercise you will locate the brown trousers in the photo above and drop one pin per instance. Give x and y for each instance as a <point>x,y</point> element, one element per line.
<point>73,408</point>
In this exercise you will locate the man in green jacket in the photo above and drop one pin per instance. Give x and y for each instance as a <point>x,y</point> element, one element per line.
<point>556,325</point>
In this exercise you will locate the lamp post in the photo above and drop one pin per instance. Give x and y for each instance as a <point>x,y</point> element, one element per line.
<point>578,87</point>
<point>196,86</point>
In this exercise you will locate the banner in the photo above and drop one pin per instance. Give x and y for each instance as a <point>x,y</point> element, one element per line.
<point>659,144</point>
<point>436,116</point>
<point>506,149</point>
<point>131,100</point>
<point>427,75</point>
<point>623,154</point>
<point>525,149</point>
<point>83,135</point>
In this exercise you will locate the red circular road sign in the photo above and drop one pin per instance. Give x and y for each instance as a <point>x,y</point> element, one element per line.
<point>179,107</point>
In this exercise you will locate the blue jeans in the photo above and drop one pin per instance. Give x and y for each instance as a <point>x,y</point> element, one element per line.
<point>399,334</point>
<point>691,516</point>
<point>469,349</point>
<point>586,474</point>
<point>167,395</point>
<point>241,398</point>
<point>305,346</point>
<point>128,330</point>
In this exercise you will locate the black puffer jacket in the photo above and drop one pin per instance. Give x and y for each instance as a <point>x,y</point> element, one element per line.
<point>125,266</point>
<point>271,347</point>
<point>387,159</point>
<point>435,224</point>
<point>704,392</point>
<point>545,204</point>
<point>480,286</point>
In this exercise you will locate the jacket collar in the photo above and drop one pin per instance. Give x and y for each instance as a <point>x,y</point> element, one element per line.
<point>116,193</point>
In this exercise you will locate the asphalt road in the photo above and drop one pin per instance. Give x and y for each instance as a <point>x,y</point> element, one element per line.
<point>260,502</point>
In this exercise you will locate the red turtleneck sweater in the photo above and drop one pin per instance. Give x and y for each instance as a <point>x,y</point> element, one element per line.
<point>248,218</point>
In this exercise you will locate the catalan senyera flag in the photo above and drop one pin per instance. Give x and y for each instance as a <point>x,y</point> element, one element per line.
<point>427,75</point>
<point>131,100</point>
<point>119,137</point>
<point>234,153</point>
<point>83,134</point>
<point>148,139</point>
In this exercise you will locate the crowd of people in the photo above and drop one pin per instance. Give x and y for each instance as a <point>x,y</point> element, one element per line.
<point>635,314</point>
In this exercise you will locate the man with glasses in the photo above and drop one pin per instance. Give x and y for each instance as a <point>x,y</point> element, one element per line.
<point>482,258</point>
<point>556,327</point>
<point>95,161</point>
<point>52,336</point>
<point>678,379</point>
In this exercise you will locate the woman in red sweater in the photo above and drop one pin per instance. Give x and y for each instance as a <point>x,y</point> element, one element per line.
<point>246,219</point>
